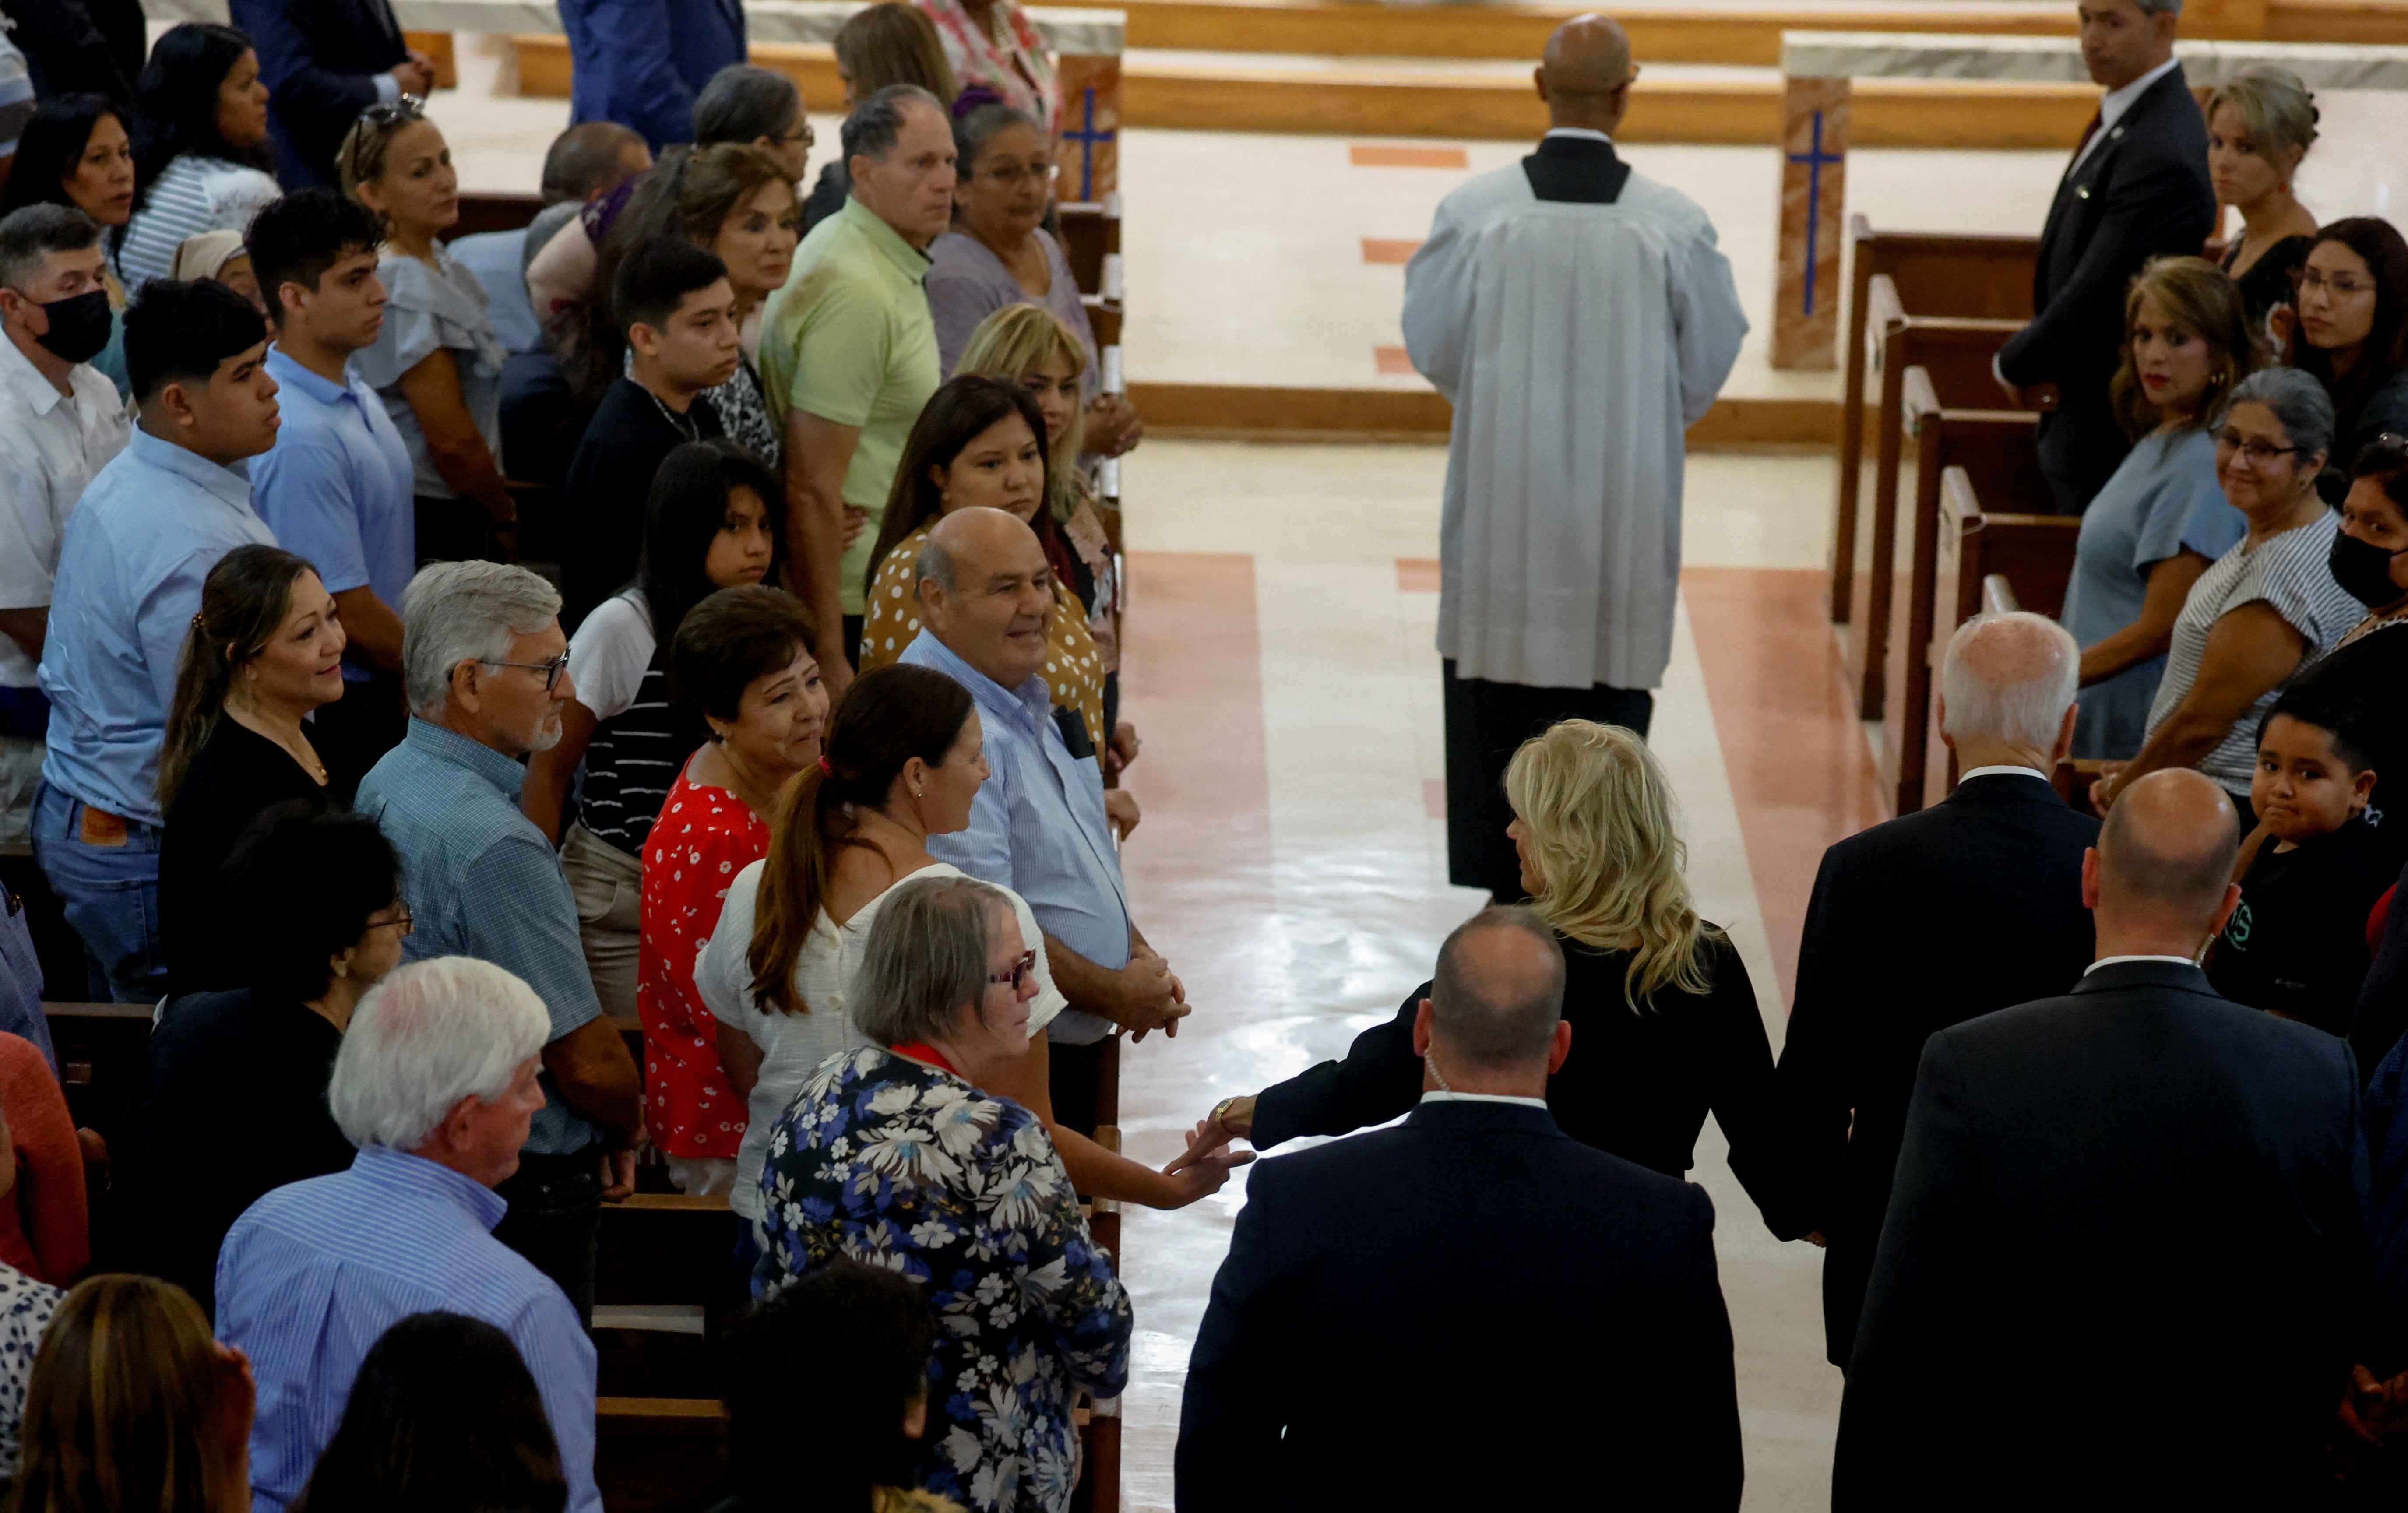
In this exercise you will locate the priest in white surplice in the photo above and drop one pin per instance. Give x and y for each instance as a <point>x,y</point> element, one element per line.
<point>1581,318</point>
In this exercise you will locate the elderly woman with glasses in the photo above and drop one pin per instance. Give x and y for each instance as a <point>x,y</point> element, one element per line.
<point>2262,611</point>
<point>895,1155</point>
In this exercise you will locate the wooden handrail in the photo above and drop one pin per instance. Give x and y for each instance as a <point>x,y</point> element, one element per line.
<point>1998,596</point>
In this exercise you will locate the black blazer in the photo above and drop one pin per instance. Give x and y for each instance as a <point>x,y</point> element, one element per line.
<point>1469,1300</point>
<point>2141,193</point>
<point>320,59</point>
<point>81,47</point>
<point>2124,1255</point>
<point>1636,1084</point>
<point>1932,918</point>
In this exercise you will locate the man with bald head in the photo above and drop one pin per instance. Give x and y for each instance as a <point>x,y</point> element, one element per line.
<point>1580,318</point>
<point>1038,827</point>
<point>2124,1262</point>
<point>1471,1308</point>
<point>1926,920</point>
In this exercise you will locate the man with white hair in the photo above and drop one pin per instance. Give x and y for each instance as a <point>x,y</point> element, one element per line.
<point>436,1083</point>
<point>486,670</point>
<point>1929,919</point>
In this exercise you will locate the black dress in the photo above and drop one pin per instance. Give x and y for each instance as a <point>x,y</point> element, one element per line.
<point>1635,1085</point>
<point>235,775</point>
<point>230,1103</point>
<point>2268,283</point>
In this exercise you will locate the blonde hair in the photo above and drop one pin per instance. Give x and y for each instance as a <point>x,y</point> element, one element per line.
<point>894,43</point>
<point>1603,842</point>
<point>2276,111</point>
<point>2202,302</point>
<point>1012,343</point>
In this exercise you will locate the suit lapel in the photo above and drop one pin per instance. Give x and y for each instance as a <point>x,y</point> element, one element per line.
<point>381,15</point>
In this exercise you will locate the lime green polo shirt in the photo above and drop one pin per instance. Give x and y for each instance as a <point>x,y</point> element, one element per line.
<point>850,340</point>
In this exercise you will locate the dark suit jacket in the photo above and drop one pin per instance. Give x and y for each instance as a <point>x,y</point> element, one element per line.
<point>1933,917</point>
<point>320,59</point>
<point>2125,1258</point>
<point>2141,193</point>
<point>1470,1300</point>
<point>81,47</point>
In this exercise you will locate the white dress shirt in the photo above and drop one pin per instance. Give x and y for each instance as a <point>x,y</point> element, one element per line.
<point>2002,768</point>
<point>54,444</point>
<point>2113,960</point>
<point>1439,1095</point>
<point>1586,133</point>
<point>2112,107</point>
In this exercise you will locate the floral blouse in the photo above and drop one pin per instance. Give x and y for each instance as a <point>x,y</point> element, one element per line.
<point>898,1165</point>
<point>704,837</point>
<point>743,413</point>
<point>1074,668</point>
<point>1006,56</point>
<point>25,1309</point>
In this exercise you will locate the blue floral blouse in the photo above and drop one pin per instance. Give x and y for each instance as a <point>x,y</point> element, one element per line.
<point>901,1165</point>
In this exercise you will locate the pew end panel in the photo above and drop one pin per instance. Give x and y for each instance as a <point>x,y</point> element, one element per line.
<point>1994,561</point>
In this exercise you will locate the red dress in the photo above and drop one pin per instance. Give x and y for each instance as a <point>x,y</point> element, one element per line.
<point>704,837</point>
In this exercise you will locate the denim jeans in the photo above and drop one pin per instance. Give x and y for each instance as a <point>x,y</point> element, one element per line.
<point>110,893</point>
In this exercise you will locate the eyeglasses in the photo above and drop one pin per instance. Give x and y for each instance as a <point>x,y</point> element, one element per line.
<point>2256,453</point>
<point>1041,173</point>
<point>550,670</point>
<point>1019,973</point>
<point>405,922</point>
<point>806,137</point>
<point>396,112</point>
<point>2308,279</point>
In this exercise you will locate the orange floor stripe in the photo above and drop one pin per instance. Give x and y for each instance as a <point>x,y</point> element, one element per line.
<point>1375,156</point>
<point>1392,360</point>
<point>1390,251</point>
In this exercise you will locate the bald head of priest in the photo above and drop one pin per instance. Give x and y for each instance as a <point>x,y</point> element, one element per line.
<point>1585,75</point>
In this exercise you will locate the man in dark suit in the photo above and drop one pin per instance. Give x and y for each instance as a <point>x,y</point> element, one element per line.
<point>1929,919</point>
<point>2125,1263</point>
<point>2137,188</point>
<point>1471,1308</point>
<point>323,63</point>
<point>81,47</point>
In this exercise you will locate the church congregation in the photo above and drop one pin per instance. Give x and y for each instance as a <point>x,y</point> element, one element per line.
<point>628,708</point>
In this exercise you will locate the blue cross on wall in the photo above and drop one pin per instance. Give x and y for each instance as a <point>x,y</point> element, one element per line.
<point>1816,160</point>
<point>1088,138</point>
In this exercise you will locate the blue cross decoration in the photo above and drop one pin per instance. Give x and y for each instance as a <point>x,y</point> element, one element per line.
<point>1816,160</point>
<point>1088,137</point>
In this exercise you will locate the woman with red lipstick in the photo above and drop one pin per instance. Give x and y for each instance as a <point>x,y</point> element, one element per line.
<point>2352,337</point>
<point>2158,523</point>
<point>2259,125</point>
<point>264,652</point>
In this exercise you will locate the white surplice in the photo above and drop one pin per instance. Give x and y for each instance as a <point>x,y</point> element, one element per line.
<point>1577,342</point>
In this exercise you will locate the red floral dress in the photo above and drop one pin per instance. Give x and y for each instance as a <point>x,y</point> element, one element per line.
<point>704,837</point>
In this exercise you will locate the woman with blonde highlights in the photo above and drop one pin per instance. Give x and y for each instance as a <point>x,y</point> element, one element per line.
<point>2261,124</point>
<point>1663,1020</point>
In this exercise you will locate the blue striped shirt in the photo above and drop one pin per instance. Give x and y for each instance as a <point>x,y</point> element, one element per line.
<point>313,1273</point>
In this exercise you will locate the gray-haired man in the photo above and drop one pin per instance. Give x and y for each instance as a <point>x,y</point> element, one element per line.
<point>849,353</point>
<point>485,667</point>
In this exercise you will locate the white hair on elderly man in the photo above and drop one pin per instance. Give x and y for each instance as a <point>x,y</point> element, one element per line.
<point>431,1034</point>
<point>470,611</point>
<point>2009,678</point>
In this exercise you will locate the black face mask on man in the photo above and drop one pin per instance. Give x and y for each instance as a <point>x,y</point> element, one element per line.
<point>2363,570</point>
<point>79,326</point>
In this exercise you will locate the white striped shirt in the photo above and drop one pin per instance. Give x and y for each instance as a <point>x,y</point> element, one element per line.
<point>192,195</point>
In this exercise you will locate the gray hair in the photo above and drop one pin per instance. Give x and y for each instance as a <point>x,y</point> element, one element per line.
<point>431,1034</point>
<point>29,235</point>
<point>2159,8</point>
<point>974,130</point>
<point>2009,678</point>
<point>877,123</point>
<point>2300,406</point>
<point>744,102</point>
<point>925,958</point>
<point>935,562</point>
<point>1493,1024</point>
<point>457,612</point>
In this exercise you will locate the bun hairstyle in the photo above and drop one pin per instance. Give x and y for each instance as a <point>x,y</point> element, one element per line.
<point>2276,111</point>
<point>887,717</point>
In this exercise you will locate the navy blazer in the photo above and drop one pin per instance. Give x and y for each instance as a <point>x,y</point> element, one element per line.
<point>2124,1256</point>
<point>1915,924</point>
<point>1471,1299</point>
<point>320,59</point>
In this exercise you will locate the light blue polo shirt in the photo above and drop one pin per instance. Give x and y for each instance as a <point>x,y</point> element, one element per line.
<point>338,488</point>
<point>150,526</point>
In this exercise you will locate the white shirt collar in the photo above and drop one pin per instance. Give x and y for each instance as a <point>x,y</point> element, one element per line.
<point>1437,1096</point>
<point>2116,960</point>
<point>1586,133</point>
<point>2002,770</point>
<point>19,372</point>
<point>2113,104</point>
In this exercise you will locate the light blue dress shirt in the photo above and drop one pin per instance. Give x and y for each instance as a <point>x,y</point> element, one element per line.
<point>338,488</point>
<point>312,1274</point>
<point>1038,825</point>
<point>480,880</point>
<point>150,526</point>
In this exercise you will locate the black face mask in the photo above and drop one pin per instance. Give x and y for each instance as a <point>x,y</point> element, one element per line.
<point>80,327</point>
<point>2364,571</point>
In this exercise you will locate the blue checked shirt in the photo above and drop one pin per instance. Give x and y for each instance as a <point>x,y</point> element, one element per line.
<point>481,881</point>
<point>312,1274</point>
<point>1038,825</point>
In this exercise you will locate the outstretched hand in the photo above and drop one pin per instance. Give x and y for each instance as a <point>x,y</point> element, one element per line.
<point>1193,1177</point>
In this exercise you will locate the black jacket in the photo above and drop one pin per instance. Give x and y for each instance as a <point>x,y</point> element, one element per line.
<point>81,47</point>
<point>1471,1309</point>
<point>1931,919</point>
<point>2124,1255</point>
<point>2141,193</point>
<point>318,59</point>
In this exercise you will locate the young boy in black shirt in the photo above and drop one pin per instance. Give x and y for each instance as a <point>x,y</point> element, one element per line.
<point>2296,945</point>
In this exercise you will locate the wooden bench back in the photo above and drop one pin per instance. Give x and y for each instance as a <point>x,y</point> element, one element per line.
<point>495,212</point>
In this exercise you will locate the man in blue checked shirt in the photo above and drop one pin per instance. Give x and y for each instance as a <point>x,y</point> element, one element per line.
<point>435,1084</point>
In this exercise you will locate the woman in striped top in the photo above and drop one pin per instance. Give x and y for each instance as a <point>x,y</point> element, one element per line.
<point>714,521</point>
<point>201,152</point>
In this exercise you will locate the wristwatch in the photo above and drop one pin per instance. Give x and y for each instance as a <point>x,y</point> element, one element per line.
<point>1222,1108</point>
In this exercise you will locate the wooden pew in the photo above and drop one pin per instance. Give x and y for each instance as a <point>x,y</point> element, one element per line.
<point>1996,446</point>
<point>100,1050</point>
<point>494,211</point>
<point>659,1454</point>
<point>1931,275</point>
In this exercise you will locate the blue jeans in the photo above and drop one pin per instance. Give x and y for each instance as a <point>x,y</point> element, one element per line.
<point>111,894</point>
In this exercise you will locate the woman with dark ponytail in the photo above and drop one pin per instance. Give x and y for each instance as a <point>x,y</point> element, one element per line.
<point>266,650</point>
